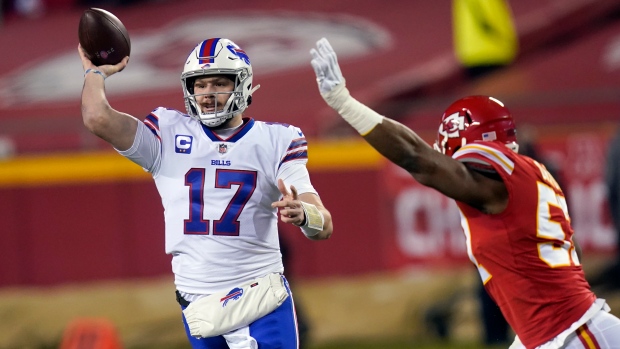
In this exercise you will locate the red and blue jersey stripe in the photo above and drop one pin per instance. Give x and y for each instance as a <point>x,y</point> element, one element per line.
<point>207,51</point>
<point>152,122</point>
<point>298,149</point>
<point>297,143</point>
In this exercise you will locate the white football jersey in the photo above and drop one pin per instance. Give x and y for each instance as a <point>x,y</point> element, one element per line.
<point>220,227</point>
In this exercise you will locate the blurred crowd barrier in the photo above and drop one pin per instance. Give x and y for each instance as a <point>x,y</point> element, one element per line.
<point>98,216</point>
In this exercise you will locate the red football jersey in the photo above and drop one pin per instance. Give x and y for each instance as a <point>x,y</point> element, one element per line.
<point>525,255</point>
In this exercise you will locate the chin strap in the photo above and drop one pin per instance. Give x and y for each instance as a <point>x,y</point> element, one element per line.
<point>250,95</point>
<point>254,89</point>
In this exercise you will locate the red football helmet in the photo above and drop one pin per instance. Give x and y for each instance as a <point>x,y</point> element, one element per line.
<point>475,119</point>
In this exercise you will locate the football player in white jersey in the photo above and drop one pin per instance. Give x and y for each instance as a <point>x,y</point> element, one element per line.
<point>222,178</point>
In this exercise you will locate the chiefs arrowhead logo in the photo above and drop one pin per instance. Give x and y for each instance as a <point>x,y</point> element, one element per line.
<point>452,125</point>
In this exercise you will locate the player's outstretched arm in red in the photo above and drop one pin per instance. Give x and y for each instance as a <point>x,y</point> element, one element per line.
<point>403,146</point>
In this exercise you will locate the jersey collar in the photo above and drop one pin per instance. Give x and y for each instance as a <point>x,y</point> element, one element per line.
<point>248,123</point>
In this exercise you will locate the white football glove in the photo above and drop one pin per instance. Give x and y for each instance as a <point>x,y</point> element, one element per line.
<point>325,64</point>
<point>333,90</point>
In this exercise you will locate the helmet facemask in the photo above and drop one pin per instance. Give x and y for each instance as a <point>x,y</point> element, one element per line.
<point>234,105</point>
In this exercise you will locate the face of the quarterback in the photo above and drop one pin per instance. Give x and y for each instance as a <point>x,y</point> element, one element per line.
<point>208,89</point>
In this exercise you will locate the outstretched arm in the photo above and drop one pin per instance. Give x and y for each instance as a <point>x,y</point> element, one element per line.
<point>401,145</point>
<point>116,128</point>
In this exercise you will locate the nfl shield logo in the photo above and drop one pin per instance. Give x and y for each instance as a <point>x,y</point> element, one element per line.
<point>223,148</point>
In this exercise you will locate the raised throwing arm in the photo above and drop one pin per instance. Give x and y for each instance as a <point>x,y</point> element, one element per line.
<point>116,128</point>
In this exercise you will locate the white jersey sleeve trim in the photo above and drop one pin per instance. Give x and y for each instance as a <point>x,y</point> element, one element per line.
<point>145,150</point>
<point>493,155</point>
<point>296,174</point>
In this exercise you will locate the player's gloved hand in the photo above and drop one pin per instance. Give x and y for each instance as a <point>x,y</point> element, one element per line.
<point>336,95</point>
<point>326,68</point>
<point>328,75</point>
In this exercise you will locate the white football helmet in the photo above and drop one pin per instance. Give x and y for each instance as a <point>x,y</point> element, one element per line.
<point>217,56</point>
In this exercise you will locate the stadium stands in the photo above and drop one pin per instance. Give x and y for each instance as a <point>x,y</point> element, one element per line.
<point>407,71</point>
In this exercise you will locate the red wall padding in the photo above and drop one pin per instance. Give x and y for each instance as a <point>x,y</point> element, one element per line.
<point>75,233</point>
<point>81,232</point>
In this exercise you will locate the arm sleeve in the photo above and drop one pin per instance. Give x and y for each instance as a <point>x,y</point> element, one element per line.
<point>145,150</point>
<point>296,174</point>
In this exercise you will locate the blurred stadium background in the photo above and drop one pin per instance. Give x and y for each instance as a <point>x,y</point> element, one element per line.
<point>82,228</point>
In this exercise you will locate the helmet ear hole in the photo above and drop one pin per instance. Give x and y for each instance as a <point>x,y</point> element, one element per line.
<point>511,132</point>
<point>468,116</point>
<point>189,84</point>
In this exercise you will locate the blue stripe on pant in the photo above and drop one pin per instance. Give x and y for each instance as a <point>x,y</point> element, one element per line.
<point>276,330</point>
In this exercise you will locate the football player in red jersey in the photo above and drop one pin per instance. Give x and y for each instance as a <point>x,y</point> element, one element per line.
<point>513,212</point>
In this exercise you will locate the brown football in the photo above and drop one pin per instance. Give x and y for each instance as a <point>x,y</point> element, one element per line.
<point>103,37</point>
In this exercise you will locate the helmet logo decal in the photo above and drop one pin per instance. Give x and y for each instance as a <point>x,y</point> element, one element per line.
<point>239,53</point>
<point>452,125</point>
